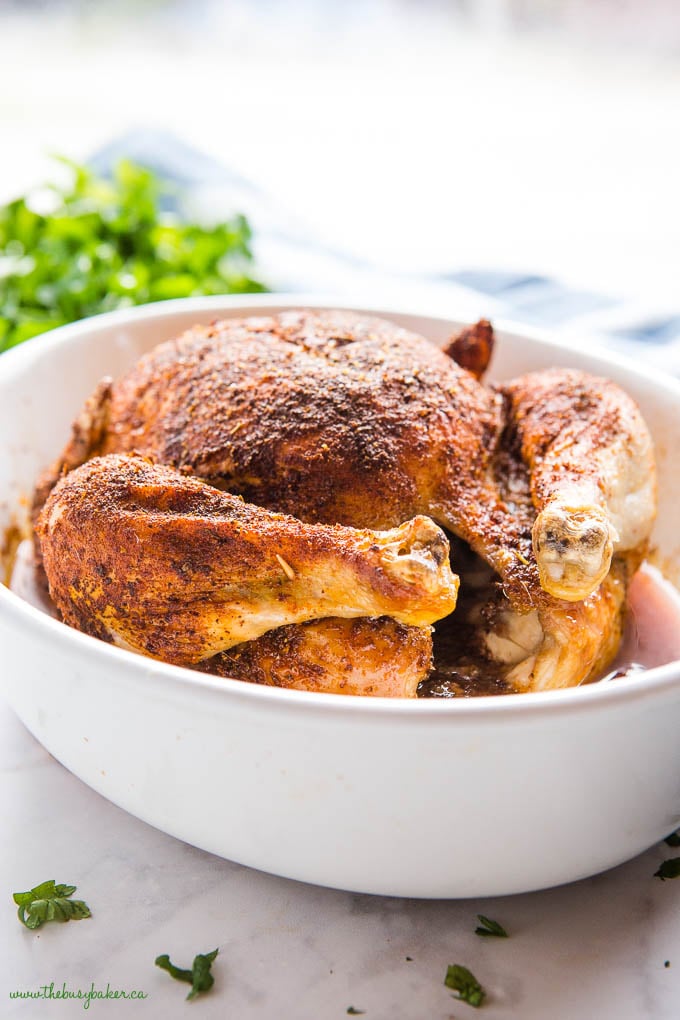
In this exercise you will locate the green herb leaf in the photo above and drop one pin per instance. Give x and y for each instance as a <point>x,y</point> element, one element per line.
<point>489,927</point>
<point>179,975</point>
<point>199,977</point>
<point>202,978</point>
<point>91,245</point>
<point>355,1012</point>
<point>669,869</point>
<point>463,981</point>
<point>49,902</point>
<point>673,839</point>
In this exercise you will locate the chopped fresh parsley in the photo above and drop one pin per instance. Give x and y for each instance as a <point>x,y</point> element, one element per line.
<point>489,927</point>
<point>199,977</point>
<point>673,839</point>
<point>92,244</point>
<point>669,869</point>
<point>463,981</point>
<point>49,902</point>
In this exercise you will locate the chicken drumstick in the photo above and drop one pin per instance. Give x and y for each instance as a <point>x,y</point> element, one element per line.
<point>140,555</point>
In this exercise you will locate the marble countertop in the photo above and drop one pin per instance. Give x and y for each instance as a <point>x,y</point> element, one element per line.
<point>607,947</point>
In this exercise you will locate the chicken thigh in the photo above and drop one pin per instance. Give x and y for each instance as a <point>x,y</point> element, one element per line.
<point>369,657</point>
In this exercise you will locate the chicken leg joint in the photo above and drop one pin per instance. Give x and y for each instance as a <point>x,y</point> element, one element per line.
<point>573,546</point>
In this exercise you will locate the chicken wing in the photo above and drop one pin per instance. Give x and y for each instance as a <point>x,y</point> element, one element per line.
<point>472,347</point>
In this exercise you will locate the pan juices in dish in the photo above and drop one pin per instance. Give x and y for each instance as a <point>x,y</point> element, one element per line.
<point>349,424</point>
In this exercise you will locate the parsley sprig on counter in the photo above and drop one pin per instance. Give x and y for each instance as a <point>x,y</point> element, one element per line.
<point>668,869</point>
<point>489,928</point>
<point>92,245</point>
<point>463,981</point>
<point>49,902</point>
<point>199,977</point>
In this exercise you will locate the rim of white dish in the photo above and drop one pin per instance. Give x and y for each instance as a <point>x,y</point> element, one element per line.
<point>588,697</point>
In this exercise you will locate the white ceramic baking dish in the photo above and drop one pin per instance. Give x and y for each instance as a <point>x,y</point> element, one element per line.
<point>413,798</point>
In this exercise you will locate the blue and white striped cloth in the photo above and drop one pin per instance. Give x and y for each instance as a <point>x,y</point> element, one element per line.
<point>292,259</point>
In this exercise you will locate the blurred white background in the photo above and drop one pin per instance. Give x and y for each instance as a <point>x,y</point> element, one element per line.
<point>430,135</point>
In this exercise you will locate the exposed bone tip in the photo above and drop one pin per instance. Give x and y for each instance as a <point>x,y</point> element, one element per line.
<point>573,548</point>
<point>419,555</point>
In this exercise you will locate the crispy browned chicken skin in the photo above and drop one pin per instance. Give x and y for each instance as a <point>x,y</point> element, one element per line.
<point>325,416</point>
<point>335,417</point>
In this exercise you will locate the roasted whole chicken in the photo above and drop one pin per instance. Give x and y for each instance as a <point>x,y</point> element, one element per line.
<point>336,419</point>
